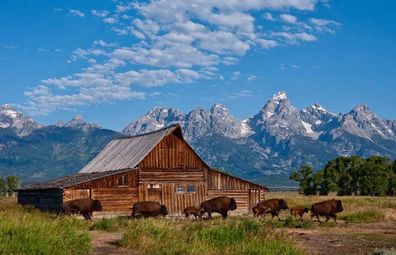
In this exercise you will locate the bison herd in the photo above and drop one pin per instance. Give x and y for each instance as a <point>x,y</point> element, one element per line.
<point>221,205</point>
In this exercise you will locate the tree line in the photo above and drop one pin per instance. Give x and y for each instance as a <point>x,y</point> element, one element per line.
<point>8,185</point>
<point>373,176</point>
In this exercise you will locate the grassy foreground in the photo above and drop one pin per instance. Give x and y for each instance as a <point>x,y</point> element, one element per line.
<point>28,231</point>
<point>232,236</point>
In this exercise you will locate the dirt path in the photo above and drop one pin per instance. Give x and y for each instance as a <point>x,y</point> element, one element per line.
<point>346,239</point>
<point>107,243</point>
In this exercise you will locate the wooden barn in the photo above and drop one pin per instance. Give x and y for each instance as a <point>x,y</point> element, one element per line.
<point>157,166</point>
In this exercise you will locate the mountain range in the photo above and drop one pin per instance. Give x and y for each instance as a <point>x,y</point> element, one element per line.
<point>265,147</point>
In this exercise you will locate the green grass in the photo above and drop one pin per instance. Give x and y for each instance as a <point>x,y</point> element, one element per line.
<point>27,231</point>
<point>110,224</point>
<point>227,237</point>
<point>290,222</point>
<point>364,216</point>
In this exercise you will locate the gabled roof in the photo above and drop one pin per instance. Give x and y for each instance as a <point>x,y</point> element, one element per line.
<point>71,180</point>
<point>127,152</point>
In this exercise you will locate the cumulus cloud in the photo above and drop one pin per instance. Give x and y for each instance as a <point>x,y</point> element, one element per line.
<point>174,42</point>
<point>75,12</point>
<point>288,18</point>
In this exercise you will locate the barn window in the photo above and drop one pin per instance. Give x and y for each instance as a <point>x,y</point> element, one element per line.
<point>153,186</point>
<point>191,188</point>
<point>123,180</point>
<point>179,188</point>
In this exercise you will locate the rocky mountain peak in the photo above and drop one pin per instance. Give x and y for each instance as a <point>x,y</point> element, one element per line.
<point>11,118</point>
<point>78,122</point>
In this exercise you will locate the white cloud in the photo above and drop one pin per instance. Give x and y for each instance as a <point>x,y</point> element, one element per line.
<point>293,38</point>
<point>174,42</point>
<point>323,22</point>
<point>268,16</point>
<point>240,94</point>
<point>75,12</point>
<point>235,75</point>
<point>110,20</point>
<point>251,77</point>
<point>288,18</point>
<point>100,14</point>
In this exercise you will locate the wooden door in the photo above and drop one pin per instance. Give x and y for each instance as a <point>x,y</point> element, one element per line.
<point>155,194</point>
<point>254,198</point>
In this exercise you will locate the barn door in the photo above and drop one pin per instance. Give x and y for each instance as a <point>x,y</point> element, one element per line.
<point>81,193</point>
<point>254,198</point>
<point>155,193</point>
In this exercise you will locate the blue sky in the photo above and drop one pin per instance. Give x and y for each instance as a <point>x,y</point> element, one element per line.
<point>112,61</point>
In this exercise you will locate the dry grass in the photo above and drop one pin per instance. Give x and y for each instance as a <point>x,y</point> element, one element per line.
<point>356,208</point>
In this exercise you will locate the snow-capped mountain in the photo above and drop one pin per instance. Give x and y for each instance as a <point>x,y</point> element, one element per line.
<point>197,123</point>
<point>279,138</point>
<point>11,118</point>
<point>273,142</point>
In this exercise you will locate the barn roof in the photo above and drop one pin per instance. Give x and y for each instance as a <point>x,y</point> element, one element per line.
<point>71,180</point>
<point>127,152</point>
<point>236,177</point>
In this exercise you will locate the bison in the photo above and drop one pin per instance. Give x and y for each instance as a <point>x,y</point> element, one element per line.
<point>148,209</point>
<point>83,206</point>
<point>197,212</point>
<point>298,210</point>
<point>272,206</point>
<point>327,208</point>
<point>220,205</point>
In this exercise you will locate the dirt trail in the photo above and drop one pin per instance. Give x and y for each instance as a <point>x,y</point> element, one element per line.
<point>346,239</point>
<point>107,243</point>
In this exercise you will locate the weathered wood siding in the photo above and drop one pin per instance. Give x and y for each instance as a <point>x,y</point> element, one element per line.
<point>170,164</point>
<point>246,194</point>
<point>45,200</point>
<point>114,195</point>
<point>172,153</point>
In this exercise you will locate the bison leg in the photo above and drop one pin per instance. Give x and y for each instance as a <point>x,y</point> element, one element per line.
<point>87,216</point>
<point>187,215</point>
<point>209,214</point>
<point>327,218</point>
<point>224,214</point>
<point>335,218</point>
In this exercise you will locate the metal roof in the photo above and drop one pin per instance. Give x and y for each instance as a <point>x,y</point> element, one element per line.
<point>127,152</point>
<point>68,181</point>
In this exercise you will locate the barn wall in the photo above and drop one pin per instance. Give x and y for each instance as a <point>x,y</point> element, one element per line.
<point>246,194</point>
<point>45,200</point>
<point>114,197</point>
<point>170,164</point>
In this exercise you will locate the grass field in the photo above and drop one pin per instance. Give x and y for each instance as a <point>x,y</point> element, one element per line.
<point>367,226</point>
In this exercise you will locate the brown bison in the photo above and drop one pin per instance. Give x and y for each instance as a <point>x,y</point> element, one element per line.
<point>193,211</point>
<point>220,205</point>
<point>272,206</point>
<point>83,206</point>
<point>298,210</point>
<point>148,209</point>
<point>327,208</point>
